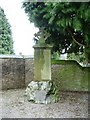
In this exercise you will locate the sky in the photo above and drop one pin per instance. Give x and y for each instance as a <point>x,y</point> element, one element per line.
<point>22,30</point>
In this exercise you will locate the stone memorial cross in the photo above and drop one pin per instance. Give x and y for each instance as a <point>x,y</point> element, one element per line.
<point>42,89</point>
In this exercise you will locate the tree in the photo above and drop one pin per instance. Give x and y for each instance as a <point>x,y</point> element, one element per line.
<point>67,22</point>
<point>6,42</point>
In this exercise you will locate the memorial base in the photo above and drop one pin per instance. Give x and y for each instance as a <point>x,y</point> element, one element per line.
<point>43,92</point>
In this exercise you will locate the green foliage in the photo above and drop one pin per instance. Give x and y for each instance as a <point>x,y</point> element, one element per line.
<point>56,56</point>
<point>79,57</point>
<point>67,22</point>
<point>6,42</point>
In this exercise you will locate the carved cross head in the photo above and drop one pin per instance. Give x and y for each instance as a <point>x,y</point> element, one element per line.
<point>42,35</point>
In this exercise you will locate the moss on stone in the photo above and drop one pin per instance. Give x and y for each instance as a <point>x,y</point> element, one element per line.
<point>70,76</point>
<point>42,92</point>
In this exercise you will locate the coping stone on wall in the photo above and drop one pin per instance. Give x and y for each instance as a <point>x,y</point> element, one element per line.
<point>16,56</point>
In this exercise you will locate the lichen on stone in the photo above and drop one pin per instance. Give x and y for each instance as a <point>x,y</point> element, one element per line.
<point>42,92</point>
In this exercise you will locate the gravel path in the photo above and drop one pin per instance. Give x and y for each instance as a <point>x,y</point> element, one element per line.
<point>71,105</point>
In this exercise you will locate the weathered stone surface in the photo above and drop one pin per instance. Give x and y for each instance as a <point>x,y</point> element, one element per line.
<point>42,63</point>
<point>29,71</point>
<point>70,76</point>
<point>42,92</point>
<point>13,73</point>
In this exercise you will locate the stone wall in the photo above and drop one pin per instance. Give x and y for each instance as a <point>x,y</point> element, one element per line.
<point>29,70</point>
<point>13,73</point>
<point>68,75</point>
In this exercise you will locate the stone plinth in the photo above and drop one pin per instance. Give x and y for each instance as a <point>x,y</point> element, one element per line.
<point>42,62</point>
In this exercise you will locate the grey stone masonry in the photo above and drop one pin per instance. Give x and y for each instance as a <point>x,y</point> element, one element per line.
<point>13,73</point>
<point>42,92</point>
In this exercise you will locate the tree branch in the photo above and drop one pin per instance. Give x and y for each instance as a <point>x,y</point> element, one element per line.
<point>75,39</point>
